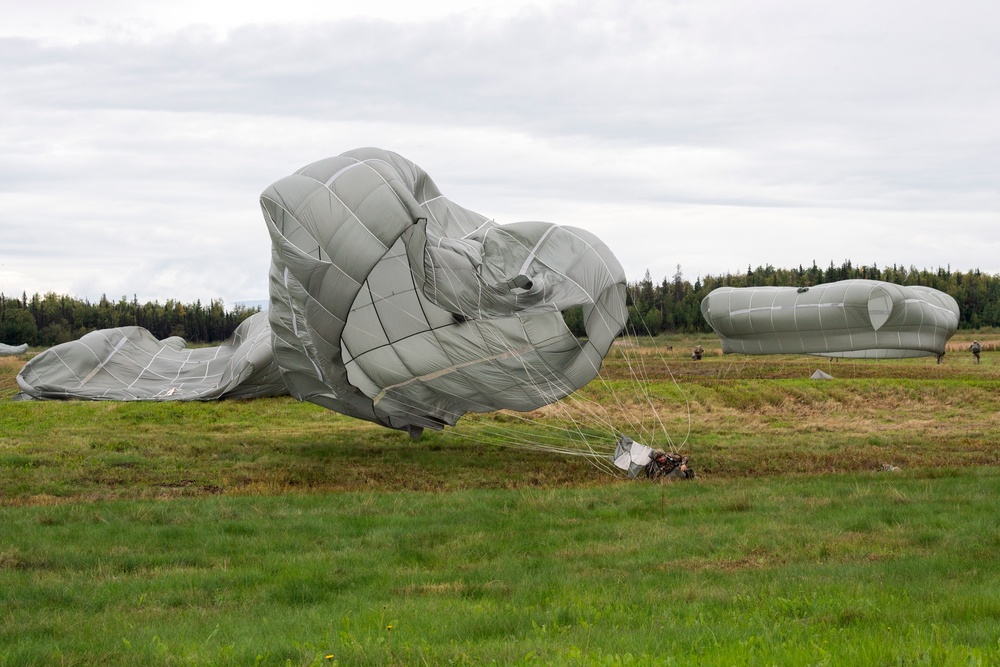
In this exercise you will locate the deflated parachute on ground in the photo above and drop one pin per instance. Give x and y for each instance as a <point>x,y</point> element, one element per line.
<point>130,364</point>
<point>388,302</point>
<point>851,318</point>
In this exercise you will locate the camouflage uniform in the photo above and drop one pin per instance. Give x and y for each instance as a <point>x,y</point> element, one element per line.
<point>669,468</point>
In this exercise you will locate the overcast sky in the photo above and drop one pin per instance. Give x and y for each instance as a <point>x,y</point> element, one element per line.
<point>137,137</point>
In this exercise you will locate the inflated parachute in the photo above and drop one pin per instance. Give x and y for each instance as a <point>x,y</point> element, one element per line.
<point>850,318</point>
<point>12,350</point>
<point>393,304</point>
<point>388,302</point>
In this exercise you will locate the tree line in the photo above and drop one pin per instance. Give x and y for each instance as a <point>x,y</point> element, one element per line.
<point>53,319</point>
<point>672,305</point>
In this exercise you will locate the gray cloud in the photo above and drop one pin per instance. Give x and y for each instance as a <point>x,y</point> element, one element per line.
<point>774,132</point>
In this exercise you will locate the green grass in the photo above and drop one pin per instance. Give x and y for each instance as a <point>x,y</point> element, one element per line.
<point>867,569</point>
<point>274,532</point>
<point>740,426</point>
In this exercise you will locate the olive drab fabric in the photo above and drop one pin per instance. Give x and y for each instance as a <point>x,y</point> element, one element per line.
<point>388,302</point>
<point>631,456</point>
<point>850,318</point>
<point>129,364</point>
<point>391,303</point>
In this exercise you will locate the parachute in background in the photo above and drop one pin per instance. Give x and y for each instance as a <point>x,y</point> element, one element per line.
<point>388,302</point>
<point>391,303</point>
<point>850,318</point>
<point>12,350</point>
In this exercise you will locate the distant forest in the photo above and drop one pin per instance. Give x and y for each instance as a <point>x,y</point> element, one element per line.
<point>52,319</point>
<point>670,306</point>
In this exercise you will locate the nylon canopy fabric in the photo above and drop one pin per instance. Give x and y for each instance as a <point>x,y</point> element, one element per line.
<point>12,350</point>
<point>393,304</point>
<point>850,318</point>
<point>631,456</point>
<point>388,302</point>
<point>130,364</point>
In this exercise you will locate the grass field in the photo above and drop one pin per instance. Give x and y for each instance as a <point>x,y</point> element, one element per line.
<point>273,532</point>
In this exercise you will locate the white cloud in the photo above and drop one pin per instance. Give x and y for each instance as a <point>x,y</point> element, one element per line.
<point>713,135</point>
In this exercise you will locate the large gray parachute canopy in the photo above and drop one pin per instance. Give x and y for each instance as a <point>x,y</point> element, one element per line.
<point>850,318</point>
<point>393,304</point>
<point>388,302</point>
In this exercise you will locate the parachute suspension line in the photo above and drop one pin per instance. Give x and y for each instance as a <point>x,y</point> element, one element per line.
<point>569,398</point>
<point>649,399</point>
<point>640,379</point>
<point>569,407</point>
<point>613,431</point>
<point>549,385</point>
<point>557,387</point>
<point>641,385</point>
<point>583,404</point>
<point>635,423</point>
<point>503,436</point>
<point>687,402</point>
<point>511,437</point>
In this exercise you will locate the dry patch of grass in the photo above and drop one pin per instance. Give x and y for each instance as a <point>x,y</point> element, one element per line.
<point>9,368</point>
<point>740,417</point>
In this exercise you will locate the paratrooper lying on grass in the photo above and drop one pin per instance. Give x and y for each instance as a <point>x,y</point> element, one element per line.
<point>637,459</point>
<point>668,466</point>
